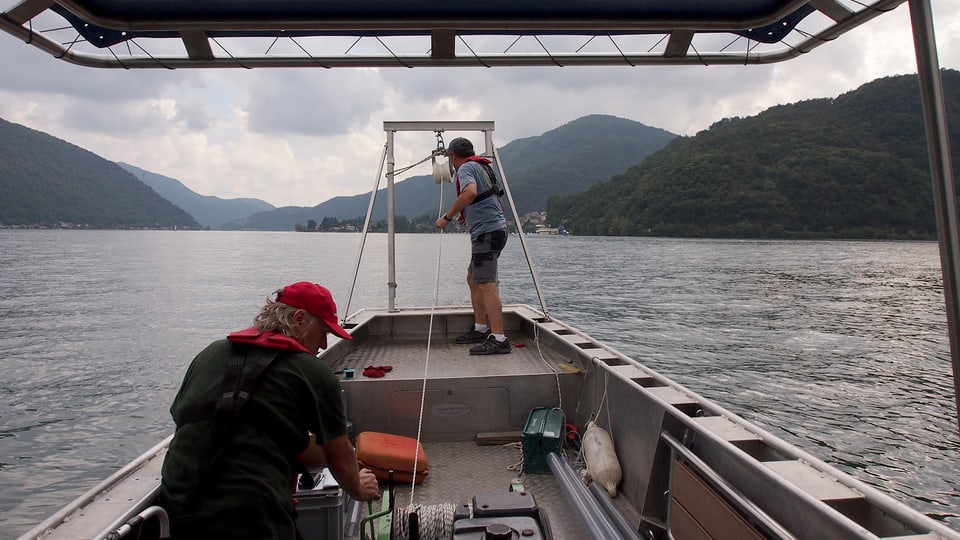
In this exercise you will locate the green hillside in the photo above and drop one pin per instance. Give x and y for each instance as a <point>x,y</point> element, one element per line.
<point>47,182</point>
<point>851,167</point>
<point>208,210</point>
<point>565,160</point>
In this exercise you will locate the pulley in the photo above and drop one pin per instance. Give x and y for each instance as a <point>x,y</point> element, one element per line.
<point>442,171</point>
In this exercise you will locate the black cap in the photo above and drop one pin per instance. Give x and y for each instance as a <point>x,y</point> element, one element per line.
<point>461,147</point>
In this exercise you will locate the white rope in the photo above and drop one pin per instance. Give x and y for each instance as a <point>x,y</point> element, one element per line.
<point>597,409</point>
<point>426,364</point>
<point>434,522</point>
<point>603,402</point>
<point>518,466</point>
<point>543,360</point>
<point>402,170</point>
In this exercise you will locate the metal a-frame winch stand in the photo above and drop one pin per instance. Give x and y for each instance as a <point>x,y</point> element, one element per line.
<point>388,158</point>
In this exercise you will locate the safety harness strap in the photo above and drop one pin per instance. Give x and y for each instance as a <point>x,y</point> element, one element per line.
<point>491,181</point>
<point>236,392</point>
<point>236,387</point>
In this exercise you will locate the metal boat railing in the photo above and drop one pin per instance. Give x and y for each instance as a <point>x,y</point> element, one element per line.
<point>758,517</point>
<point>738,459</point>
<point>93,493</point>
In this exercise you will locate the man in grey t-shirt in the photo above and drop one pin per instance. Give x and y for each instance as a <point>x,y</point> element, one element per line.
<point>478,207</point>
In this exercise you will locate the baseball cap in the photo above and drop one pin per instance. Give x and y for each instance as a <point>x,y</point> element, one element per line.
<point>316,300</point>
<point>461,147</point>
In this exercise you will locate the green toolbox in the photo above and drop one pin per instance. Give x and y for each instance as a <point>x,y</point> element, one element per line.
<point>542,434</point>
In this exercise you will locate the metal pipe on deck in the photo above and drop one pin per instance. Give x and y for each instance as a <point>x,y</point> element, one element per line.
<point>595,520</point>
<point>619,521</point>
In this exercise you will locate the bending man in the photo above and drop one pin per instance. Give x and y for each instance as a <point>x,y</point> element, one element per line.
<point>244,415</point>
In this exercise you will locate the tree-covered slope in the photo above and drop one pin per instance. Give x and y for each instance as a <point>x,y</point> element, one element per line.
<point>576,155</point>
<point>48,182</point>
<point>208,210</point>
<point>565,160</point>
<point>853,166</point>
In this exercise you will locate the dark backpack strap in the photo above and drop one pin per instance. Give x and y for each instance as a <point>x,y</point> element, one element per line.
<point>237,388</point>
<point>236,392</point>
<point>491,181</point>
<point>231,381</point>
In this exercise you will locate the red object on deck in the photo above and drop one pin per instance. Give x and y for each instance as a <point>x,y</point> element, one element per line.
<point>383,452</point>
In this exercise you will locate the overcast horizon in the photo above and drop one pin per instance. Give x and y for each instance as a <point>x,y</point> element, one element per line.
<point>303,136</point>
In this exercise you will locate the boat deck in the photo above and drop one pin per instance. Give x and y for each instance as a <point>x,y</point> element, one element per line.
<point>447,359</point>
<point>492,469</point>
<point>468,399</point>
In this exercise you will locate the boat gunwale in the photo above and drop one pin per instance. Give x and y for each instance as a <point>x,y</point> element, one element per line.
<point>90,497</point>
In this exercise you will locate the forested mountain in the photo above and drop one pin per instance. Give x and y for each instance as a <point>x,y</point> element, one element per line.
<point>208,210</point>
<point>562,161</point>
<point>48,182</point>
<point>855,167</point>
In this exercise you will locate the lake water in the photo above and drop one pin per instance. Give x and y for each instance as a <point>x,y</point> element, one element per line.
<point>837,347</point>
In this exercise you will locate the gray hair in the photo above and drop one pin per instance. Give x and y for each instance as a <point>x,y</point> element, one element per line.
<point>278,317</point>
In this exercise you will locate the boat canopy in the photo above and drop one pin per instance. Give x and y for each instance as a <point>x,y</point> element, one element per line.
<point>418,33</point>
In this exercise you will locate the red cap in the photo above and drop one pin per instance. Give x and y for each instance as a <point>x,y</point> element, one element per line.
<point>316,300</point>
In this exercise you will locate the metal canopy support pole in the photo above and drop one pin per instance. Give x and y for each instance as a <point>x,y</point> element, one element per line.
<point>391,240</point>
<point>941,173</point>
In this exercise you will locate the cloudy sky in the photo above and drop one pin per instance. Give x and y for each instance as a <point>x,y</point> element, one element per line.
<point>301,136</point>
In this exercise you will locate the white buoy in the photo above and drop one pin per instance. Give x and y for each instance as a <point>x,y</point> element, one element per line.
<point>601,458</point>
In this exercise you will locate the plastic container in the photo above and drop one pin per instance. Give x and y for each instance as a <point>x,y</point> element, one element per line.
<point>320,512</point>
<point>542,434</point>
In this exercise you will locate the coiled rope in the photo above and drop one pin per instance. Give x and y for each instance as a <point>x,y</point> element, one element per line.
<point>434,522</point>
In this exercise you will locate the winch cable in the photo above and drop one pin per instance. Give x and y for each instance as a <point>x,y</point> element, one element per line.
<point>408,167</point>
<point>425,522</point>
<point>426,364</point>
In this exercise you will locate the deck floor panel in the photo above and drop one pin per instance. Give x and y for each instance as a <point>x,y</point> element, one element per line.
<point>447,359</point>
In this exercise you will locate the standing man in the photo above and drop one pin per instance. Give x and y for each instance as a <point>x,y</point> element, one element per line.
<point>248,408</point>
<point>478,207</point>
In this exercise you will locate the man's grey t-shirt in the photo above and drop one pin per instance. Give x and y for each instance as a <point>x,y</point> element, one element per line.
<point>486,215</point>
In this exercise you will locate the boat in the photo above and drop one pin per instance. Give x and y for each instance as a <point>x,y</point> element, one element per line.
<point>500,433</point>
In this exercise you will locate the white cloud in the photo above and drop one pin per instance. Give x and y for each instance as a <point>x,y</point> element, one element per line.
<point>299,137</point>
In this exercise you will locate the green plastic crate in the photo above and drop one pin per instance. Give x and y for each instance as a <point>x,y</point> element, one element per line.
<point>542,434</point>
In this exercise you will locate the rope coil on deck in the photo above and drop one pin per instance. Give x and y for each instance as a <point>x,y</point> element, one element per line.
<point>434,522</point>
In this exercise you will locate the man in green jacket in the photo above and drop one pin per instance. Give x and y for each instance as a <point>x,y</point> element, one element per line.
<point>248,408</point>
